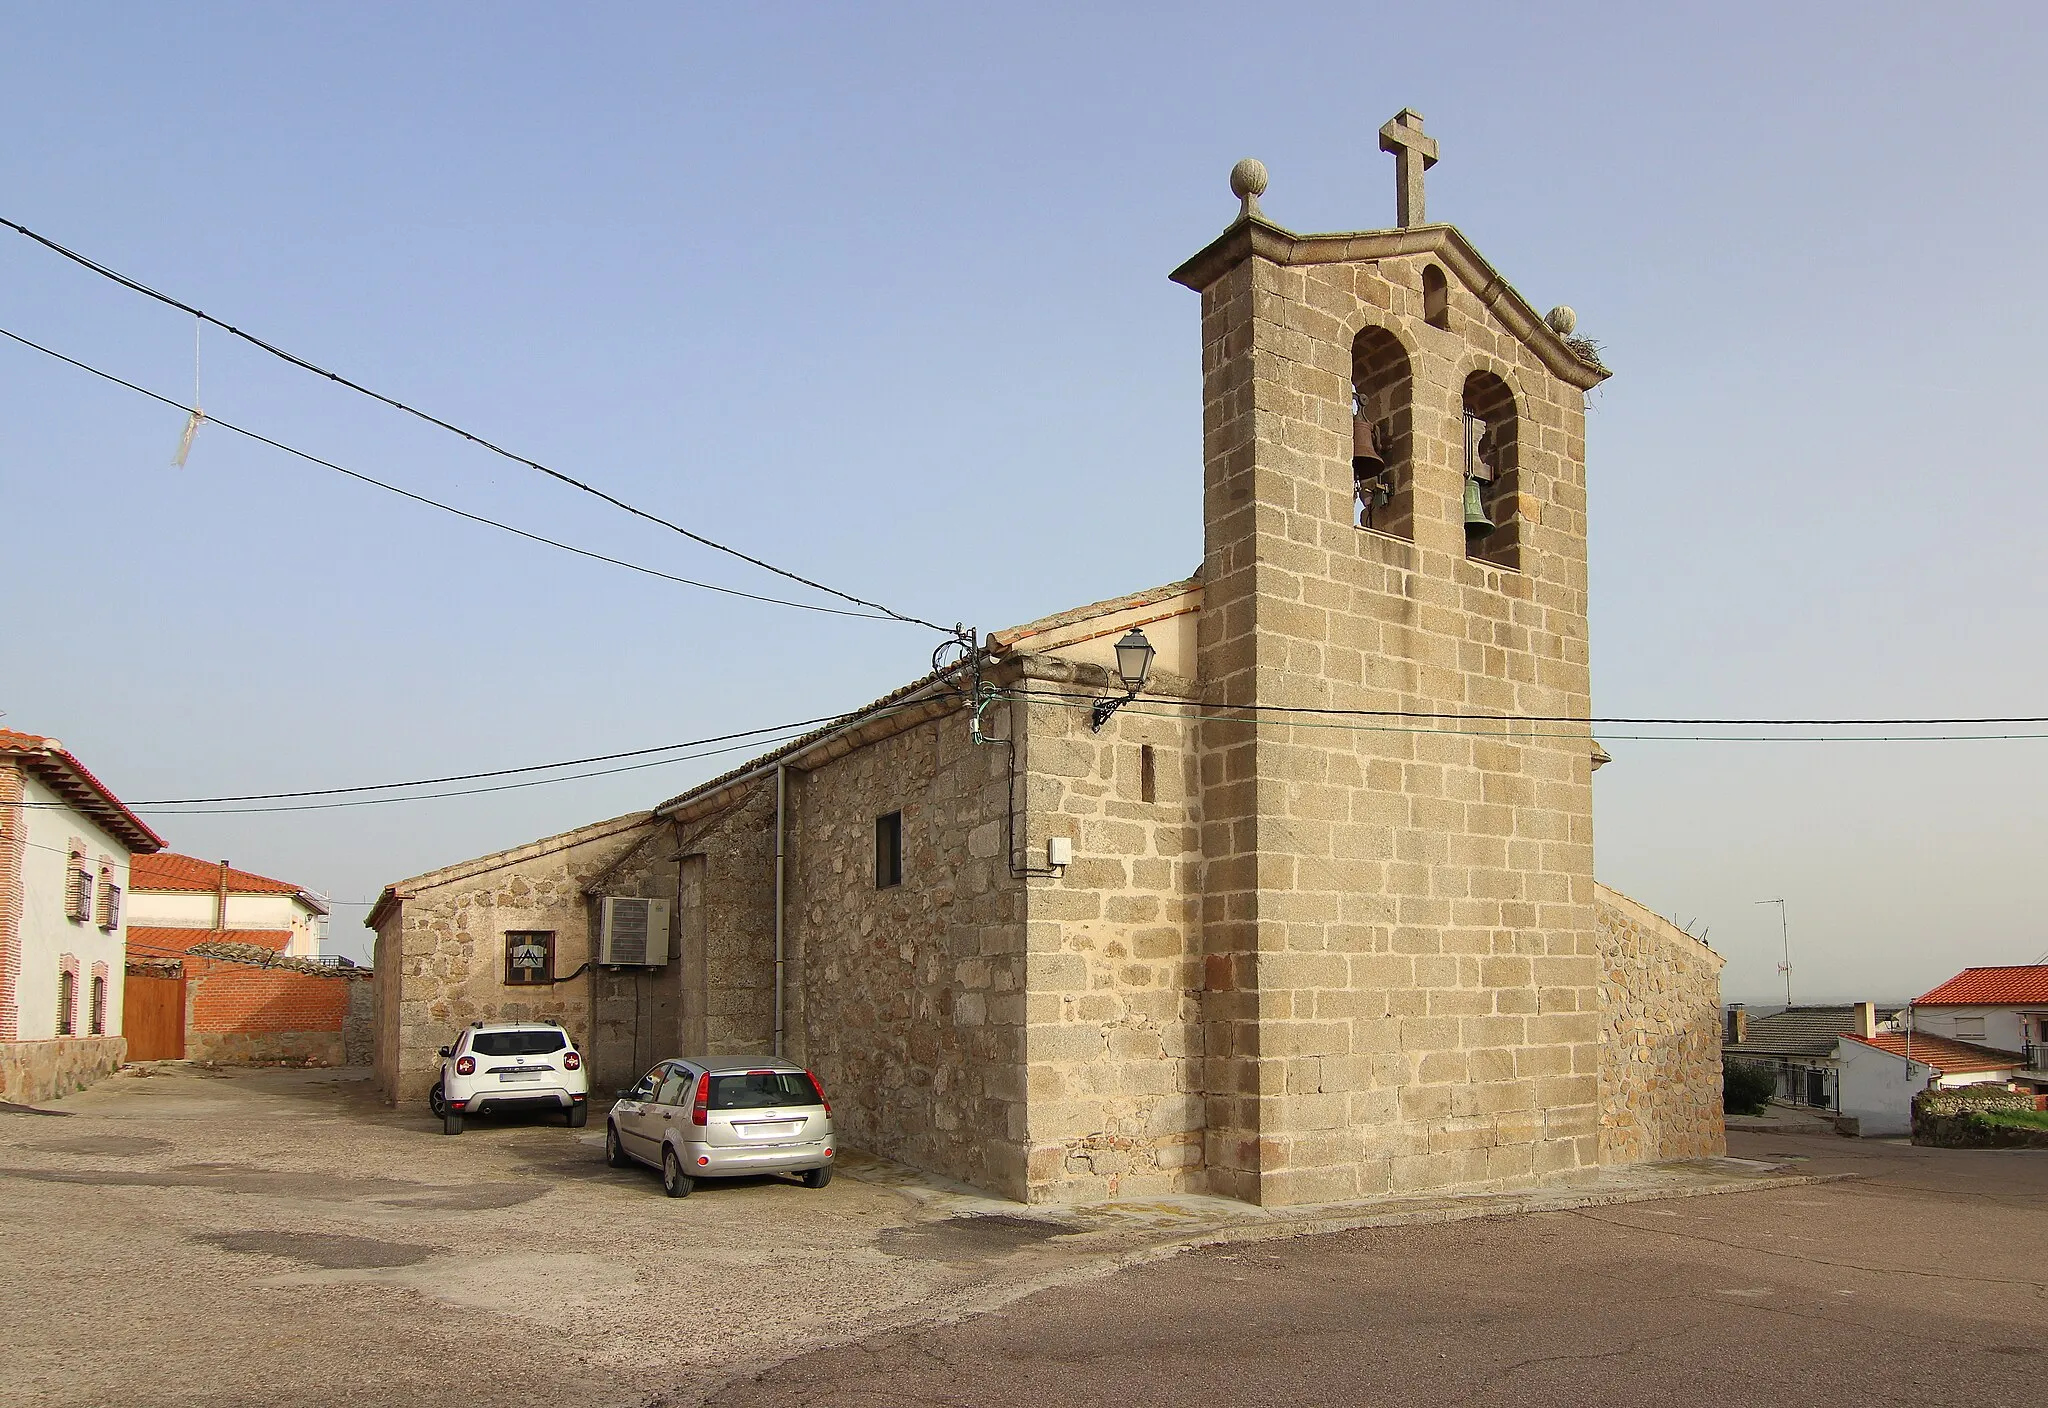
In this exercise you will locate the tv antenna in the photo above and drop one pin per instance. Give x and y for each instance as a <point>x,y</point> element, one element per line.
<point>1785,935</point>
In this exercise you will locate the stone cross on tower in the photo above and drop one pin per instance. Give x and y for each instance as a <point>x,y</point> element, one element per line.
<point>1413,155</point>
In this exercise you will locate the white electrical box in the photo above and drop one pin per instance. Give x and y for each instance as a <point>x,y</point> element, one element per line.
<point>1059,850</point>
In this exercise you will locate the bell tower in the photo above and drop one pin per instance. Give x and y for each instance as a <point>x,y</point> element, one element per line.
<point>1401,989</point>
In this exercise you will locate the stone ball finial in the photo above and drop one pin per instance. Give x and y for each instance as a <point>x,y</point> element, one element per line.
<point>1248,179</point>
<point>1562,320</point>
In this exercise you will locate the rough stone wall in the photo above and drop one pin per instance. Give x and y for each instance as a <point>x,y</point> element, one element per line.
<point>34,1071</point>
<point>266,1048</point>
<point>441,952</point>
<point>636,1012</point>
<point>358,1026</point>
<point>1398,923</point>
<point>909,1001</point>
<point>1660,1038</point>
<point>726,928</point>
<point>1115,951</point>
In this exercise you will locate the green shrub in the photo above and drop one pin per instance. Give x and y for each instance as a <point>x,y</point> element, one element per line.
<point>2015,1119</point>
<point>1747,1087</point>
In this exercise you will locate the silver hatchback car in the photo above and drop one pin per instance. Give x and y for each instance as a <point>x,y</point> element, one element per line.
<point>694,1118</point>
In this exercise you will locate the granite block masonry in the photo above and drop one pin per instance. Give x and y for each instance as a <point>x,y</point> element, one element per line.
<point>1321,923</point>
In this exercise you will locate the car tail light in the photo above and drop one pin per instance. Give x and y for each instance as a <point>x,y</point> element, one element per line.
<point>700,1108</point>
<point>572,1062</point>
<point>466,1066</point>
<point>821,1092</point>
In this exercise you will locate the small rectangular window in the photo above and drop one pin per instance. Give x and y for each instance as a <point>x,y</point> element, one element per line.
<point>888,850</point>
<point>78,895</point>
<point>67,1003</point>
<point>110,906</point>
<point>529,957</point>
<point>99,1005</point>
<point>1969,1029</point>
<point>1148,777</point>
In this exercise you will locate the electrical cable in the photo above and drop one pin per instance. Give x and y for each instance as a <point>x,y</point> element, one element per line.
<point>1589,718</point>
<point>450,508</point>
<point>1063,701</point>
<point>139,287</point>
<point>474,776</point>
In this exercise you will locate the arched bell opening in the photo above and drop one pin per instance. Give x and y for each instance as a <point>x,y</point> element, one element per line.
<point>1382,434</point>
<point>1492,463</point>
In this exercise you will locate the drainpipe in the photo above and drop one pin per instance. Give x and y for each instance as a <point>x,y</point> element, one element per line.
<point>781,806</point>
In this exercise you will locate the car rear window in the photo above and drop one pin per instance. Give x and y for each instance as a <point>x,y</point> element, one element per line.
<point>759,1089</point>
<point>517,1043</point>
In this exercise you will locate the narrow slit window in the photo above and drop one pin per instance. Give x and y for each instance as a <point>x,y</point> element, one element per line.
<point>99,1005</point>
<point>1148,776</point>
<point>1436,297</point>
<point>888,850</point>
<point>67,1003</point>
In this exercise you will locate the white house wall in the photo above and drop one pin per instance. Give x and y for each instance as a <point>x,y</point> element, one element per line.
<point>185,910</point>
<point>47,934</point>
<point>2001,1024</point>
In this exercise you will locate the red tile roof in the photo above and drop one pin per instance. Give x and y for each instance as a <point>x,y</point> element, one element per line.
<point>2022,985</point>
<point>167,870</point>
<point>1948,1057</point>
<point>150,941</point>
<point>50,761</point>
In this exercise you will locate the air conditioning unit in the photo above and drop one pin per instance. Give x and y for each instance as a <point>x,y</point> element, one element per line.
<point>632,933</point>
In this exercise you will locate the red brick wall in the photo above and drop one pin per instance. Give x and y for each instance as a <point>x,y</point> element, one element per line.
<point>13,826</point>
<point>233,997</point>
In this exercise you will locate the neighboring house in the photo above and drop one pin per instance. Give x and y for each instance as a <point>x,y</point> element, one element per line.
<point>1799,1044</point>
<point>2003,1008</point>
<point>1296,922</point>
<point>1882,1072</point>
<point>172,891</point>
<point>66,845</point>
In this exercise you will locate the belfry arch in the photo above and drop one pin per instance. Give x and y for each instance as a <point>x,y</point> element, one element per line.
<point>1383,433</point>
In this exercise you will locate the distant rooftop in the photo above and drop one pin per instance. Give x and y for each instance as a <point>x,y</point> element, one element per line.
<point>1802,1031</point>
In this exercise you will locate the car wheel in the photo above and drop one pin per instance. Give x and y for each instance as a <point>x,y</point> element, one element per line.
<point>579,1116</point>
<point>817,1177</point>
<point>451,1121</point>
<point>674,1181</point>
<point>614,1152</point>
<point>437,1101</point>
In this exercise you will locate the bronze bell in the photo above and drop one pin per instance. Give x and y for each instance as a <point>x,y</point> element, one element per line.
<point>1477,524</point>
<point>1366,459</point>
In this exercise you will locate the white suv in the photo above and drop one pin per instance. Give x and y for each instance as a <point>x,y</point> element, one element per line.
<point>499,1066</point>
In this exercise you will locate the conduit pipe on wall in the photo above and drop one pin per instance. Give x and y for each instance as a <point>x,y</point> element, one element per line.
<point>781,805</point>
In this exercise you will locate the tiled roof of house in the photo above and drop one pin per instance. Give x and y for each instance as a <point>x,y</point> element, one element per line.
<point>155,941</point>
<point>1948,1057</point>
<point>87,795</point>
<point>1801,1031</point>
<point>2021,985</point>
<point>167,870</point>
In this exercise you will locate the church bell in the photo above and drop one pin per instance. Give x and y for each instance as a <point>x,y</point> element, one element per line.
<point>1477,524</point>
<point>1366,460</point>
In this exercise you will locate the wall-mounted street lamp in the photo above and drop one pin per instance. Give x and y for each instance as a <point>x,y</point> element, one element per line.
<point>1133,666</point>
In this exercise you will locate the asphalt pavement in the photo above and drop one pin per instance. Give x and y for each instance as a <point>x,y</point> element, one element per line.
<point>1923,1280</point>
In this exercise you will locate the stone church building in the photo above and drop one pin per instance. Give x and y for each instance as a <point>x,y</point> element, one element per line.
<point>1310,917</point>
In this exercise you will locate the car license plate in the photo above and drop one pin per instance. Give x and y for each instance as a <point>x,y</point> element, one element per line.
<point>519,1075</point>
<point>768,1131</point>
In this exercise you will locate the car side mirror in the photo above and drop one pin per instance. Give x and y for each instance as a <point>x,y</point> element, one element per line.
<point>447,1051</point>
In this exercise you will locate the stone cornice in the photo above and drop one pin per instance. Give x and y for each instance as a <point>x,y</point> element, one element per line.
<point>1254,238</point>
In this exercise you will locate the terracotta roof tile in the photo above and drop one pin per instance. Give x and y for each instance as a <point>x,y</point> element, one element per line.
<point>84,793</point>
<point>152,941</point>
<point>1948,1057</point>
<point>2021,985</point>
<point>167,870</point>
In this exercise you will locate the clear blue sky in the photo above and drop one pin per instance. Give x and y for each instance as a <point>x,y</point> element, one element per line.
<point>881,293</point>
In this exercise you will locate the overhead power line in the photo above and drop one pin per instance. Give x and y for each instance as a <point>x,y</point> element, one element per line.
<point>261,439</point>
<point>86,262</point>
<point>1977,722</point>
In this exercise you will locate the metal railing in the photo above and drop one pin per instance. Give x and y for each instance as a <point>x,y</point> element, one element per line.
<point>2037,1055</point>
